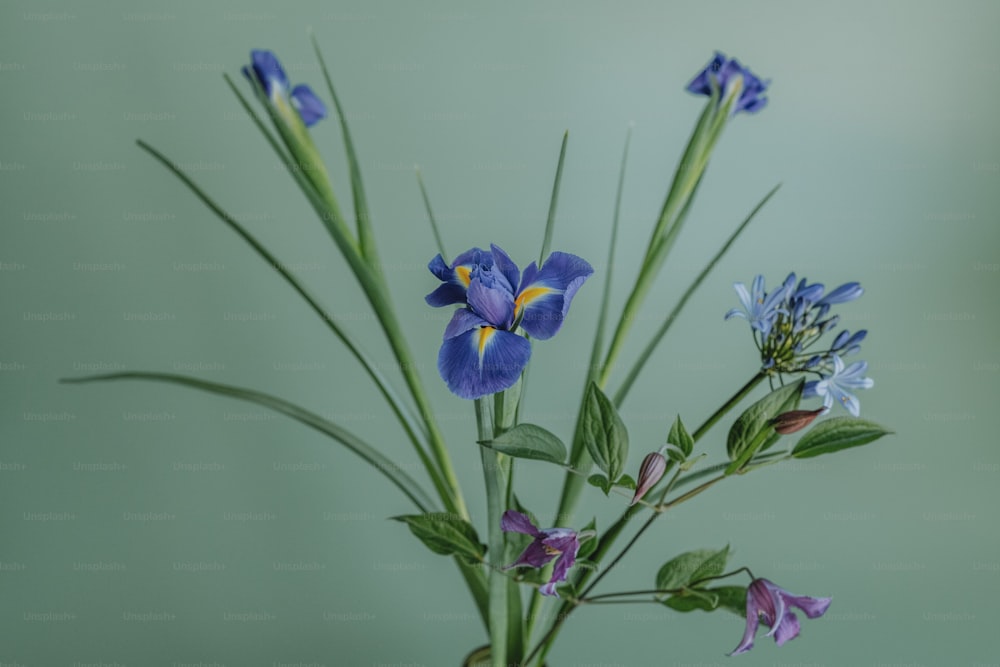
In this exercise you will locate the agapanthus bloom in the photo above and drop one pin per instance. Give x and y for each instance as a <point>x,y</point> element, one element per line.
<point>838,384</point>
<point>559,543</point>
<point>483,353</point>
<point>723,74</point>
<point>267,71</point>
<point>773,605</point>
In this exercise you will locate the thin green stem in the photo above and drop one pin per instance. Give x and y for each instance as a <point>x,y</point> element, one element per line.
<point>497,581</point>
<point>604,546</point>
<point>430,216</point>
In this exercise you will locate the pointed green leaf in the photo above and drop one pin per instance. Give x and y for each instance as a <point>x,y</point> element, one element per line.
<point>680,438</point>
<point>730,598</point>
<point>691,567</point>
<point>601,482</point>
<point>836,434</point>
<point>445,534</point>
<point>604,433</point>
<point>626,481</point>
<point>589,545</point>
<point>527,441</point>
<point>379,461</point>
<point>753,428</point>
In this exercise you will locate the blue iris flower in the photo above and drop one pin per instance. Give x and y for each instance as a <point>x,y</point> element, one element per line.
<point>482,352</point>
<point>722,72</point>
<point>266,69</point>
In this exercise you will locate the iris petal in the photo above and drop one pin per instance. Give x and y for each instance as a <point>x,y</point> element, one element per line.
<point>545,294</point>
<point>269,71</point>
<point>310,107</point>
<point>482,361</point>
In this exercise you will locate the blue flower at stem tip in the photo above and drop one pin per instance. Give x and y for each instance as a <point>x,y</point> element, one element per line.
<point>482,352</point>
<point>839,384</point>
<point>722,72</point>
<point>773,605</point>
<point>549,543</point>
<point>759,308</point>
<point>266,69</point>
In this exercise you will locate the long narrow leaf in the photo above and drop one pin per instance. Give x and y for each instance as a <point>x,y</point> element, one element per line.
<point>382,463</point>
<point>365,235</point>
<point>553,202</point>
<point>399,408</point>
<point>661,332</point>
<point>430,216</point>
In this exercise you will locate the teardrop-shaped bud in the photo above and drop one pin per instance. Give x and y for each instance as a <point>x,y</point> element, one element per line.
<point>795,420</point>
<point>650,472</point>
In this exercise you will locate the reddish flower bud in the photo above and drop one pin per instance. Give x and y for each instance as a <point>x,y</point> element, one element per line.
<point>650,472</point>
<point>795,420</point>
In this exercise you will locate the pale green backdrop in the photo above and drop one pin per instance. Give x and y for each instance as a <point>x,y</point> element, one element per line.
<point>151,525</point>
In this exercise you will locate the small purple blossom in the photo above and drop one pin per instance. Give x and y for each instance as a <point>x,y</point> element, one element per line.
<point>839,383</point>
<point>559,543</point>
<point>773,605</point>
<point>724,73</point>
<point>482,352</point>
<point>266,70</point>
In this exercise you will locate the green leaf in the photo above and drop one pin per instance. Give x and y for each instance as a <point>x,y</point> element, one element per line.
<point>379,461</point>
<point>692,566</point>
<point>680,438</point>
<point>604,434</point>
<point>445,534</point>
<point>753,428</point>
<point>527,441</point>
<point>589,545</point>
<point>550,221</point>
<point>601,482</point>
<point>626,481</point>
<point>730,598</point>
<point>836,434</point>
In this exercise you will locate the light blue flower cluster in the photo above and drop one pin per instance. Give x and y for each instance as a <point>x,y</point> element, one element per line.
<point>790,320</point>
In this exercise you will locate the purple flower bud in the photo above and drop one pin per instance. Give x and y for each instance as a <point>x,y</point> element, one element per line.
<point>795,420</point>
<point>650,472</point>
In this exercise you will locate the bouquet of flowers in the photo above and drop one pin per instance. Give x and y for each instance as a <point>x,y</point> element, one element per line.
<point>502,308</point>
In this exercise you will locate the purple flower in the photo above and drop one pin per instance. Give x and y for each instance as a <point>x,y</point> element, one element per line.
<point>723,73</point>
<point>482,354</point>
<point>773,605</point>
<point>266,70</point>
<point>839,383</point>
<point>759,308</point>
<point>559,543</point>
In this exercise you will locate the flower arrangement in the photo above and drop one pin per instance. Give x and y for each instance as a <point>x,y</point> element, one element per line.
<point>500,311</point>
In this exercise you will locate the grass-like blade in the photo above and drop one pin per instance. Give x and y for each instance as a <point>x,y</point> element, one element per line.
<point>430,216</point>
<point>365,236</point>
<point>640,363</point>
<point>551,219</point>
<point>382,463</point>
<point>403,413</point>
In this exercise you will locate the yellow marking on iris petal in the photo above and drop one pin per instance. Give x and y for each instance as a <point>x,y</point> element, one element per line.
<point>485,334</point>
<point>463,273</point>
<point>552,551</point>
<point>529,295</point>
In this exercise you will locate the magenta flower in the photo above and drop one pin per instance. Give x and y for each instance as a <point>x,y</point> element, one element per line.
<point>559,543</point>
<point>773,605</point>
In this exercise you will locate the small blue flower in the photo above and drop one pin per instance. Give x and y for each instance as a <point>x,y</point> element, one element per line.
<point>839,384</point>
<point>759,308</point>
<point>482,354</point>
<point>266,69</point>
<point>722,73</point>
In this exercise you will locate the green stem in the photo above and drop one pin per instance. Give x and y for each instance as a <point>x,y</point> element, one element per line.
<point>604,546</point>
<point>497,582</point>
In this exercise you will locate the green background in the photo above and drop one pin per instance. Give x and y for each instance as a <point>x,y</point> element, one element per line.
<point>152,525</point>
